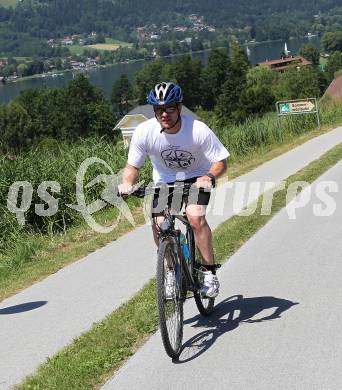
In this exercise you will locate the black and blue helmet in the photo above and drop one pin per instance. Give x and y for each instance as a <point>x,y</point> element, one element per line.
<point>165,93</point>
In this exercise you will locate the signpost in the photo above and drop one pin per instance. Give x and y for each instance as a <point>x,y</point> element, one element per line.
<point>295,107</point>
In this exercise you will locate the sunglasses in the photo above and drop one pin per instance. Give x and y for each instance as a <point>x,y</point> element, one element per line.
<point>168,110</point>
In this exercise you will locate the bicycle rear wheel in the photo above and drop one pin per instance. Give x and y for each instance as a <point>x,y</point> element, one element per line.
<point>204,305</point>
<point>169,298</point>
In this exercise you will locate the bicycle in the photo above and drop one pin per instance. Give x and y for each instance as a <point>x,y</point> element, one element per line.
<point>186,275</point>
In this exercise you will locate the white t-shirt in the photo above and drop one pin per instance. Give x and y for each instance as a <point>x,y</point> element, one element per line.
<point>188,153</point>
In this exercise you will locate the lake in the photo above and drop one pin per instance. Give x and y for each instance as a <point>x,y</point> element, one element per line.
<point>106,76</point>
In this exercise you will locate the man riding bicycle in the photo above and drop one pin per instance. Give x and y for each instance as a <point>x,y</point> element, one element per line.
<point>184,150</point>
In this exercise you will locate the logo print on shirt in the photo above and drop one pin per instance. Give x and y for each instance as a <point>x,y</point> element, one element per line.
<point>176,159</point>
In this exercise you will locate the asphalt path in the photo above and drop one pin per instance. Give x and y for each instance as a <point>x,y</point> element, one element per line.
<point>37,322</point>
<point>277,323</point>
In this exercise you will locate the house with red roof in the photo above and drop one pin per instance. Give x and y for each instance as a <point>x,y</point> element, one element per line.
<point>285,63</point>
<point>334,91</point>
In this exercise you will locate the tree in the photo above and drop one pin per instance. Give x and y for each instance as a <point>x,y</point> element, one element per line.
<point>187,73</point>
<point>58,63</point>
<point>35,67</point>
<point>122,92</point>
<point>164,49</point>
<point>196,44</point>
<point>22,70</point>
<point>80,89</point>
<point>8,70</point>
<point>11,61</point>
<point>16,127</point>
<point>43,106</point>
<point>310,53</point>
<point>228,101</point>
<point>146,79</point>
<point>332,41</point>
<point>257,97</point>
<point>175,47</point>
<point>101,118</point>
<point>100,38</point>
<point>214,77</point>
<point>239,60</point>
<point>77,110</point>
<point>297,84</point>
<point>333,65</point>
<point>79,101</point>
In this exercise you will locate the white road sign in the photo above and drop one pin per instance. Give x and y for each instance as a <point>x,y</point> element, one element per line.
<point>301,106</point>
<point>296,106</point>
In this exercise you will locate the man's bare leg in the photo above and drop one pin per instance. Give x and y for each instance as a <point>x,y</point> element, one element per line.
<point>203,237</point>
<point>202,232</point>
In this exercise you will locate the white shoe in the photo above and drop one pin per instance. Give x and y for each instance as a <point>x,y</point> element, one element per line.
<point>211,285</point>
<point>170,284</point>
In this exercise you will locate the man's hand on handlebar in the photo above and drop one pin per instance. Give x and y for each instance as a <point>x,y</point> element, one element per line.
<point>204,182</point>
<point>125,188</point>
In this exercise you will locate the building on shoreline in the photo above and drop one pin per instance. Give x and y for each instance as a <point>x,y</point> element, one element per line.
<point>138,115</point>
<point>285,63</point>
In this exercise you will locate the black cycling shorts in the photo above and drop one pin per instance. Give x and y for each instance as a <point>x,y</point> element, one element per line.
<point>174,198</point>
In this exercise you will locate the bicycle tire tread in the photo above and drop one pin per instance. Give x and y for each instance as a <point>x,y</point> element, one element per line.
<point>172,352</point>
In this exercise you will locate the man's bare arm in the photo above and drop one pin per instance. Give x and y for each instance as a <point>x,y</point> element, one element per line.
<point>130,177</point>
<point>217,169</point>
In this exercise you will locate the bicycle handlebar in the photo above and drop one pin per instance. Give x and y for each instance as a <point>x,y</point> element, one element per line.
<point>142,191</point>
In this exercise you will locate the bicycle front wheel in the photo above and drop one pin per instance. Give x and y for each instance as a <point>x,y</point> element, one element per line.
<point>169,297</point>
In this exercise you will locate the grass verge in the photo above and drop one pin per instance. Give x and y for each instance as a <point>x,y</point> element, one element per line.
<point>38,256</point>
<point>56,251</point>
<point>94,356</point>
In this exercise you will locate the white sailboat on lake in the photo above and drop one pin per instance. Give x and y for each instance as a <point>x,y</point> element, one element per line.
<point>286,51</point>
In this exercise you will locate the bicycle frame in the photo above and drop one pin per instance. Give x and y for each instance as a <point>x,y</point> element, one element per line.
<point>167,229</point>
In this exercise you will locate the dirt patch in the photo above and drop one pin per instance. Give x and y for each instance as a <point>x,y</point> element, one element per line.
<point>104,46</point>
